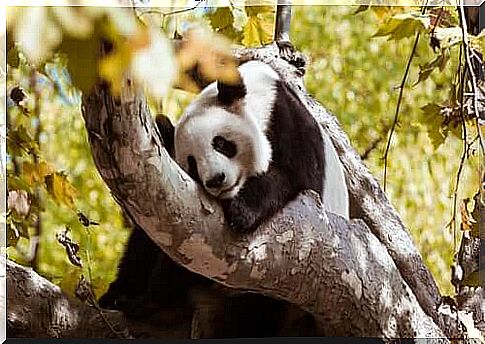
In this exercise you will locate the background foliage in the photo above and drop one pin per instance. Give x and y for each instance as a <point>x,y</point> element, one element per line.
<point>353,72</point>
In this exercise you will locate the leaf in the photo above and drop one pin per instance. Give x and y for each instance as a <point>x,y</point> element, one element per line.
<point>211,53</point>
<point>432,120</point>
<point>221,18</point>
<point>36,173</point>
<point>61,190</point>
<point>257,31</point>
<point>75,21</point>
<point>17,183</point>
<point>256,7</point>
<point>81,60</point>
<point>361,8</point>
<point>222,21</point>
<point>113,66</point>
<point>18,201</point>
<point>448,36</point>
<point>20,142</point>
<point>154,65</point>
<point>440,61</point>
<point>404,25</point>
<point>36,33</point>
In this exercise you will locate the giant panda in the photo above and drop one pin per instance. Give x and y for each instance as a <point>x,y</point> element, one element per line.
<point>253,146</point>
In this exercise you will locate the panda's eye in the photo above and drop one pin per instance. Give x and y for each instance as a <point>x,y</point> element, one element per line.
<point>224,146</point>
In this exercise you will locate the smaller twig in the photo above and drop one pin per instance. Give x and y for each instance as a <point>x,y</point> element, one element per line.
<point>373,145</point>
<point>398,107</point>
<point>167,14</point>
<point>473,78</point>
<point>461,165</point>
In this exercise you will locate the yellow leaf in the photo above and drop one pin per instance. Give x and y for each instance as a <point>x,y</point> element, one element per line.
<point>61,190</point>
<point>35,173</point>
<point>251,32</point>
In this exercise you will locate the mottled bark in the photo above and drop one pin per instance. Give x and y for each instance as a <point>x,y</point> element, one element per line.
<point>358,281</point>
<point>39,309</point>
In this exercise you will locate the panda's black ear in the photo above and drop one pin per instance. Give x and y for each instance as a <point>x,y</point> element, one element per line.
<point>229,93</point>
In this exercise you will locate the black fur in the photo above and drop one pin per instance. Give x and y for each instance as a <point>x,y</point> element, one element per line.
<point>227,93</point>
<point>149,282</point>
<point>298,163</point>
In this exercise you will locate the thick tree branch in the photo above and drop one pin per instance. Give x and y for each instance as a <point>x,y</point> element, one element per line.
<point>368,201</point>
<point>39,309</point>
<point>343,274</point>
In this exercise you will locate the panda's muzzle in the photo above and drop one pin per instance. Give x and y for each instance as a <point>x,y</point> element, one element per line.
<point>216,182</point>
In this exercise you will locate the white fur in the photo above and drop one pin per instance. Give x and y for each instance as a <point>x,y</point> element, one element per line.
<point>335,194</point>
<point>203,120</point>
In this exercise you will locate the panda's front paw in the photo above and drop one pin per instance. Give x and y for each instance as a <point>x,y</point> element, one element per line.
<point>239,217</point>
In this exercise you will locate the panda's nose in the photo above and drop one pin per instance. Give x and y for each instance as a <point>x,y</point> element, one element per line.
<point>216,181</point>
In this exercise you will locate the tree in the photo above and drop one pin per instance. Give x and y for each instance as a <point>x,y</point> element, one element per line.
<point>128,152</point>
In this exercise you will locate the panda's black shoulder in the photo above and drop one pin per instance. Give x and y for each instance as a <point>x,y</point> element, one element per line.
<point>296,139</point>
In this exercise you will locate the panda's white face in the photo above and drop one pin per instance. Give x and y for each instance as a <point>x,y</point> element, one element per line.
<point>222,146</point>
<point>218,149</point>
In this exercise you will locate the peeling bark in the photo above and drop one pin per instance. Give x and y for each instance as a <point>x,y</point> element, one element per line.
<point>360,278</point>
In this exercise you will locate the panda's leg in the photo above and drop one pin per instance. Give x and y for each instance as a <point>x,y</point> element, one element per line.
<point>258,200</point>
<point>134,273</point>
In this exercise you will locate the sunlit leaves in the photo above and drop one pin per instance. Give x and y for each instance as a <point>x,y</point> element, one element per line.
<point>20,142</point>
<point>432,120</point>
<point>35,173</point>
<point>222,21</point>
<point>153,64</point>
<point>404,25</point>
<point>18,201</point>
<point>36,32</point>
<point>77,32</point>
<point>258,30</point>
<point>439,122</point>
<point>440,62</point>
<point>61,190</point>
<point>211,53</point>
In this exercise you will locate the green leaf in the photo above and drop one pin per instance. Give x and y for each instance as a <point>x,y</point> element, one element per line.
<point>17,183</point>
<point>81,53</point>
<point>221,18</point>
<point>82,60</point>
<point>432,120</point>
<point>20,142</point>
<point>440,61</point>
<point>13,235</point>
<point>404,25</point>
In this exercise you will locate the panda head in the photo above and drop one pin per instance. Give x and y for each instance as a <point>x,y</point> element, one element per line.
<point>220,140</point>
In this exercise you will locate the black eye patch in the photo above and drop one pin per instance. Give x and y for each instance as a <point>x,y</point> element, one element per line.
<point>223,146</point>
<point>193,172</point>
